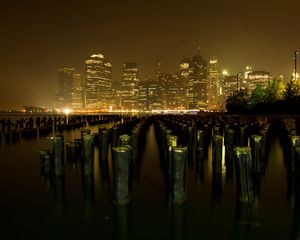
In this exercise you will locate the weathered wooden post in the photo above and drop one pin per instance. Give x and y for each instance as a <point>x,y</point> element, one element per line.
<point>124,140</point>
<point>229,142</point>
<point>88,154</point>
<point>179,175</point>
<point>171,143</point>
<point>115,135</point>
<point>244,180</point>
<point>103,143</point>
<point>255,143</point>
<point>45,158</point>
<point>294,143</point>
<point>121,162</point>
<point>58,155</point>
<point>200,145</point>
<point>217,154</point>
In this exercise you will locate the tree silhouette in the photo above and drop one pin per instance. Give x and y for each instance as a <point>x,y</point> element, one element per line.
<point>274,91</point>
<point>238,101</point>
<point>292,91</point>
<point>257,95</point>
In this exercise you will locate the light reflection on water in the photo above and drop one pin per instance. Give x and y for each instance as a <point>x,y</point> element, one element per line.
<point>36,207</point>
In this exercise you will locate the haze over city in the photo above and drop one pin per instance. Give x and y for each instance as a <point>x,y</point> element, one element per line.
<point>40,37</point>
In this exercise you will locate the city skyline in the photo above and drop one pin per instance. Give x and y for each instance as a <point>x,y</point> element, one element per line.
<point>198,85</point>
<point>40,37</point>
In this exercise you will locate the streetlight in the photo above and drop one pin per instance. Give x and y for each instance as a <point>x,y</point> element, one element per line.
<point>295,58</point>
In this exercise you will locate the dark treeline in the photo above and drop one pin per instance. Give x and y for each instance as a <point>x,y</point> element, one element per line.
<point>274,99</point>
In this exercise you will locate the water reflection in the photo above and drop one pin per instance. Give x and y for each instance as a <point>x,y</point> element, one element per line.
<point>295,231</point>
<point>256,178</point>
<point>56,186</point>
<point>211,189</point>
<point>216,188</point>
<point>199,170</point>
<point>178,228</point>
<point>46,179</point>
<point>104,168</point>
<point>244,221</point>
<point>59,195</point>
<point>123,222</point>
<point>229,160</point>
<point>88,195</point>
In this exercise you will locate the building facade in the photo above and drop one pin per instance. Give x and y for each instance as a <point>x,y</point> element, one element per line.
<point>214,88</point>
<point>258,78</point>
<point>77,93</point>
<point>98,83</point>
<point>174,92</point>
<point>129,86</point>
<point>193,72</point>
<point>65,83</point>
<point>230,85</point>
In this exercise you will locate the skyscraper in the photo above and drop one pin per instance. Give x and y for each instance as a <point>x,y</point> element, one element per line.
<point>199,71</point>
<point>158,69</point>
<point>129,86</point>
<point>193,71</point>
<point>258,78</point>
<point>66,79</point>
<point>185,72</point>
<point>116,95</point>
<point>98,85</point>
<point>70,93</point>
<point>229,85</point>
<point>77,92</point>
<point>155,95</point>
<point>244,81</point>
<point>175,91</point>
<point>143,96</point>
<point>214,85</point>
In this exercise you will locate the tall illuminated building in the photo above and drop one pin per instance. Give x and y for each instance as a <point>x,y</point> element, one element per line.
<point>261,78</point>
<point>199,71</point>
<point>155,95</point>
<point>143,102</point>
<point>185,72</point>
<point>116,95</point>
<point>229,85</point>
<point>70,93</point>
<point>193,72</point>
<point>214,88</point>
<point>175,92</point>
<point>77,92</point>
<point>65,82</point>
<point>129,86</point>
<point>158,70</point>
<point>244,81</point>
<point>98,85</point>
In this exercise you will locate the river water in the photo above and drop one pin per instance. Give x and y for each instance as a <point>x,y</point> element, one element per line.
<point>77,207</point>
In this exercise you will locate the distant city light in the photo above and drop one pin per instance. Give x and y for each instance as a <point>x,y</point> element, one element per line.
<point>67,111</point>
<point>293,76</point>
<point>199,85</point>
<point>97,55</point>
<point>225,72</point>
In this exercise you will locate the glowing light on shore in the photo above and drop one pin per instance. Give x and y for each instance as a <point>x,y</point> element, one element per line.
<point>67,111</point>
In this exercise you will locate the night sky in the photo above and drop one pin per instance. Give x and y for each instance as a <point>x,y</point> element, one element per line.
<point>38,37</point>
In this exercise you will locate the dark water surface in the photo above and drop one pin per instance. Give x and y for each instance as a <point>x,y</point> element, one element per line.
<point>76,207</point>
